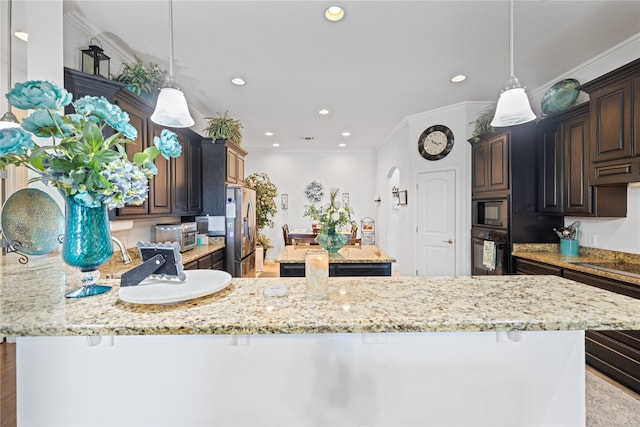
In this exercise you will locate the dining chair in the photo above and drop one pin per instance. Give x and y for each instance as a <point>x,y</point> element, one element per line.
<point>285,234</point>
<point>354,242</point>
<point>354,231</point>
<point>304,241</point>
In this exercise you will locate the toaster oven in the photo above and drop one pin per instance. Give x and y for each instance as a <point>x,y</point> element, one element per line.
<point>184,234</point>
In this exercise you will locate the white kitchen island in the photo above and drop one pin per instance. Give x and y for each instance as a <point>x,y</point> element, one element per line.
<point>506,350</point>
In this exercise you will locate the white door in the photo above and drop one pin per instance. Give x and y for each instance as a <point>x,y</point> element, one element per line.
<point>436,223</point>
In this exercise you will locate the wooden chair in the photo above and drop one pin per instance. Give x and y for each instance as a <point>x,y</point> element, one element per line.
<point>285,234</point>
<point>354,231</point>
<point>354,242</point>
<point>304,241</point>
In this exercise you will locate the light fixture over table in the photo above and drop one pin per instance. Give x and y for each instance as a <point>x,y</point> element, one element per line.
<point>9,120</point>
<point>171,108</point>
<point>513,106</point>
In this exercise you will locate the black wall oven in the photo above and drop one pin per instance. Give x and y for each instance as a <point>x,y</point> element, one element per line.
<point>490,251</point>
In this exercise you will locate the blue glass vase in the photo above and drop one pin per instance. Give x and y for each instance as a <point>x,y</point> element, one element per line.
<point>331,240</point>
<point>87,245</point>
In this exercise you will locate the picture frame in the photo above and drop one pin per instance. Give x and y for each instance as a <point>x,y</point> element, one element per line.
<point>284,201</point>
<point>345,199</point>
<point>402,197</point>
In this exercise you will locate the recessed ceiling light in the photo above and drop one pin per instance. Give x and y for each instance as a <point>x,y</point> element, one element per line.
<point>308,138</point>
<point>238,81</point>
<point>334,13</point>
<point>323,111</point>
<point>342,145</point>
<point>346,134</point>
<point>22,35</point>
<point>457,79</point>
<point>268,133</point>
<point>275,144</point>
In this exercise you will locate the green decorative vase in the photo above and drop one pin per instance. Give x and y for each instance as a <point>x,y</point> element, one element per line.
<point>87,245</point>
<point>331,240</point>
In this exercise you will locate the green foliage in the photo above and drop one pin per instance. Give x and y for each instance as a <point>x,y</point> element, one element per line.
<point>266,192</point>
<point>264,241</point>
<point>483,123</point>
<point>334,215</point>
<point>224,127</point>
<point>145,81</point>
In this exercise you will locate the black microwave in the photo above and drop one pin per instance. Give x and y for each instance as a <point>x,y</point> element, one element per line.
<point>491,213</point>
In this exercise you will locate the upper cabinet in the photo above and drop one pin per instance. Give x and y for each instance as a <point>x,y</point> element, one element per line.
<point>563,158</point>
<point>614,103</point>
<point>176,188</point>
<point>490,164</point>
<point>224,164</point>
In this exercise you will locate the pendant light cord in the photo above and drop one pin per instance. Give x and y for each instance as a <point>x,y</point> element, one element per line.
<point>171,38</point>
<point>511,37</point>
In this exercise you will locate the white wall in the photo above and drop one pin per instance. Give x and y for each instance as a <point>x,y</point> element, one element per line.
<point>352,172</point>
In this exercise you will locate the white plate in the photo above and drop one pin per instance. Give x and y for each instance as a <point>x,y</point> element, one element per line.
<point>162,291</point>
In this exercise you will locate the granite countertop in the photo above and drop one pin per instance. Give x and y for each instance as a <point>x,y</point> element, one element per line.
<point>32,303</point>
<point>348,254</point>
<point>550,254</point>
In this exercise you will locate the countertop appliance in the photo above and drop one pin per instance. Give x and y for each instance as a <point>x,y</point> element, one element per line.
<point>241,231</point>
<point>185,234</point>
<point>211,225</point>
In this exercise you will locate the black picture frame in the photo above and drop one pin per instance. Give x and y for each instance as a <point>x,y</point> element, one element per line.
<point>402,197</point>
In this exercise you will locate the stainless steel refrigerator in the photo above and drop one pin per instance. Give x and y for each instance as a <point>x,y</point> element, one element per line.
<point>241,231</point>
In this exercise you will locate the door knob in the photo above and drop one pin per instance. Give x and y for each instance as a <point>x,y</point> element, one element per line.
<point>448,241</point>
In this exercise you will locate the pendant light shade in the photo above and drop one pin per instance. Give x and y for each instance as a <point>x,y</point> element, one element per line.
<point>9,120</point>
<point>171,107</point>
<point>513,106</point>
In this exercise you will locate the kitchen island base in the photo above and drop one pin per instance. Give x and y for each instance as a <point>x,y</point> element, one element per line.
<point>526,378</point>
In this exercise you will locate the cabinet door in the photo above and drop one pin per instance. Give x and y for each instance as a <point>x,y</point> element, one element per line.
<point>479,164</point>
<point>159,185</point>
<point>180,179</point>
<point>240,169</point>
<point>194,155</point>
<point>138,120</point>
<point>550,198</point>
<point>232,167</point>
<point>611,122</point>
<point>498,163</point>
<point>577,193</point>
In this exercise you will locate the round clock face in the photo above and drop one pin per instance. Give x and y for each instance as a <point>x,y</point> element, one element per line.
<point>435,142</point>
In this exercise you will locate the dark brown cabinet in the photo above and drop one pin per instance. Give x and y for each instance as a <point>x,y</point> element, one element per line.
<point>564,144</point>
<point>223,163</point>
<point>615,143</point>
<point>176,188</point>
<point>614,353</point>
<point>490,164</point>
<point>212,261</point>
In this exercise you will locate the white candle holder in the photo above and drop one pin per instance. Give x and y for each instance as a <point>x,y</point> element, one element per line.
<point>316,271</point>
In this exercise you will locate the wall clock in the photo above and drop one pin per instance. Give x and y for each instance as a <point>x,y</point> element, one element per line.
<point>435,142</point>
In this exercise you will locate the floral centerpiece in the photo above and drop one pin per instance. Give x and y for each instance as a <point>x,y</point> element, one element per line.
<point>90,169</point>
<point>331,218</point>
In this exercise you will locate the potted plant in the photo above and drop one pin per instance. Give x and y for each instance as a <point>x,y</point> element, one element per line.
<point>483,123</point>
<point>224,127</point>
<point>266,208</point>
<point>145,81</point>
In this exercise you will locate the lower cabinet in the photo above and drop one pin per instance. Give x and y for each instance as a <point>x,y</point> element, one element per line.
<point>614,353</point>
<point>336,270</point>
<point>212,261</point>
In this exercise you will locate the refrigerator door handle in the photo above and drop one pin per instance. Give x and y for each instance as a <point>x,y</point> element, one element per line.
<point>249,220</point>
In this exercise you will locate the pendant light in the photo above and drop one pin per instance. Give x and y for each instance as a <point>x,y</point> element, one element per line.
<point>171,108</point>
<point>513,106</point>
<point>9,120</point>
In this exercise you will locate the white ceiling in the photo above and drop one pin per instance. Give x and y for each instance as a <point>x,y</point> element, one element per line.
<point>386,60</point>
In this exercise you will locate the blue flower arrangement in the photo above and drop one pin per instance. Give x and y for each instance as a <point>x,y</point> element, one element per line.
<point>85,165</point>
